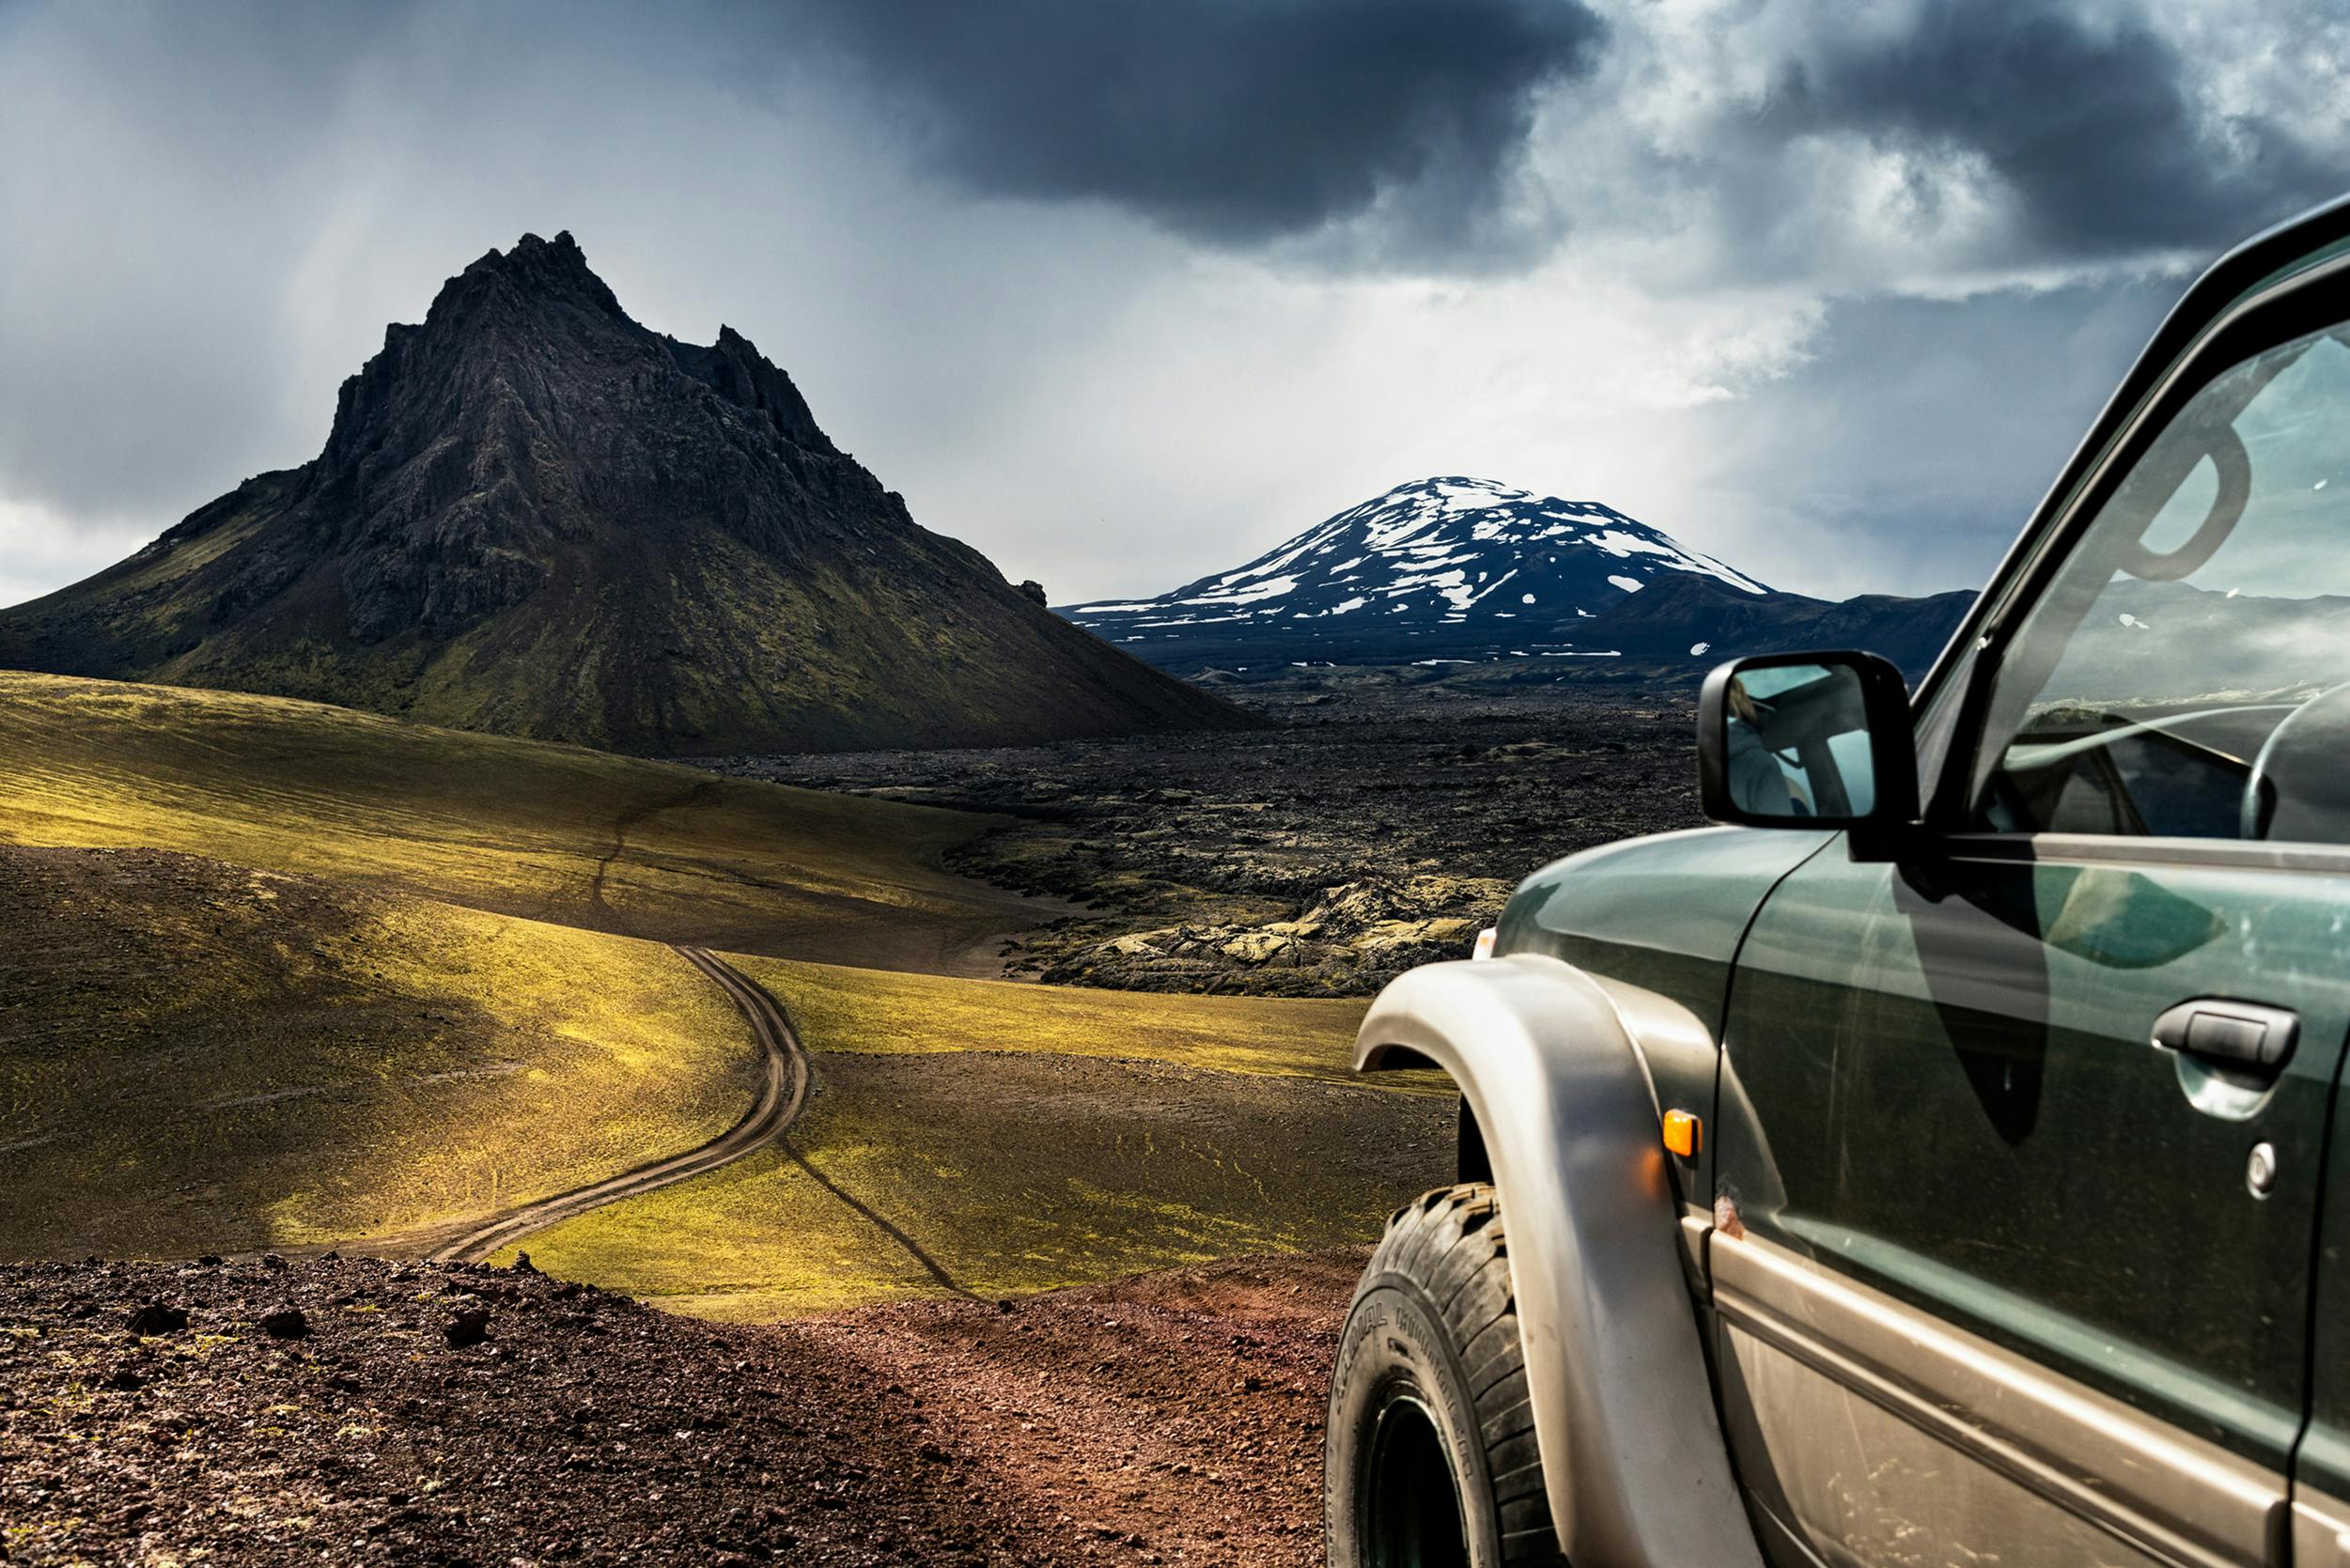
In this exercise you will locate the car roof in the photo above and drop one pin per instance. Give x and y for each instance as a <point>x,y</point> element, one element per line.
<point>2273,252</point>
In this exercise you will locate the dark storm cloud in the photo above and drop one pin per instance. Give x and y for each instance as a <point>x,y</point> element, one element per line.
<point>1402,128</point>
<point>2090,123</point>
<point>1914,444</point>
<point>1235,122</point>
<point>1816,285</point>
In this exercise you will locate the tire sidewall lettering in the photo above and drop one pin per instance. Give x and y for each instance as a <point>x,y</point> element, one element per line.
<point>1393,1345</point>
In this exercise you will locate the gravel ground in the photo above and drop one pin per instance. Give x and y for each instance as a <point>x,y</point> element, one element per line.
<point>353,1411</point>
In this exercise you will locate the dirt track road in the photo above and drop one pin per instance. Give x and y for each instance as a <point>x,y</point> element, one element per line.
<point>780,1100</point>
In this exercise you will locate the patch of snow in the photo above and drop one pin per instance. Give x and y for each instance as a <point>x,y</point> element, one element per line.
<point>1697,649</point>
<point>1525,598</point>
<point>1282,556</point>
<point>1629,584</point>
<point>1272,587</point>
<point>1392,532</point>
<point>1616,541</point>
<point>1440,564</point>
<point>1474,495</point>
<point>1452,585</point>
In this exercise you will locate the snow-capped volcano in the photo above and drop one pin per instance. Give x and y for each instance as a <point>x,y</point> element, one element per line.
<point>1437,562</point>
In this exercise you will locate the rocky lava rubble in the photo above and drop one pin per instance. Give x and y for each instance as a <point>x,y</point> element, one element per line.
<point>353,1411</point>
<point>1375,826</point>
<point>1353,936</point>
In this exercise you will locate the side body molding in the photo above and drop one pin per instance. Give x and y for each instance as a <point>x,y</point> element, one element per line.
<point>1632,1451</point>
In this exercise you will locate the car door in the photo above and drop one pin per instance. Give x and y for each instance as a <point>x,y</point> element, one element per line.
<point>2020,1131</point>
<point>2320,1474</point>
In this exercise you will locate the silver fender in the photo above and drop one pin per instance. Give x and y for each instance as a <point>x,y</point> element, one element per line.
<point>1632,1452</point>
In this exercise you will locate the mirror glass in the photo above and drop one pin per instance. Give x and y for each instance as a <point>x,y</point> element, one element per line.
<point>1797,742</point>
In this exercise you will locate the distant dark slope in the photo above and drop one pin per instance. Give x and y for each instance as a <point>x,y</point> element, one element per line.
<point>1696,623</point>
<point>537,517</point>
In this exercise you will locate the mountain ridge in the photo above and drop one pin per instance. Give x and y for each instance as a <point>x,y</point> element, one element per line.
<point>534,516</point>
<point>1458,570</point>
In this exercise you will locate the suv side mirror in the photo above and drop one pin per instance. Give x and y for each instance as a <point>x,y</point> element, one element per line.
<point>1809,741</point>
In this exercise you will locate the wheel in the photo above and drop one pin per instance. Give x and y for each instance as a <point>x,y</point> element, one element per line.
<point>1429,1459</point>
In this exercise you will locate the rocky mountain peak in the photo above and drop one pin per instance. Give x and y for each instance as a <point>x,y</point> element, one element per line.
<point>536,515</point>
<point>541,284</point>
<point>735,369</point>
<point>538,272</point>
<point>521,327</point>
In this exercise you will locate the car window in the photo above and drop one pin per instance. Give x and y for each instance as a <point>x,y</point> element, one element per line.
<point>2186,672</point>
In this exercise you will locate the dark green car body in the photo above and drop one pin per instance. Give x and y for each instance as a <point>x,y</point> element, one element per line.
<point>1983,1223</point>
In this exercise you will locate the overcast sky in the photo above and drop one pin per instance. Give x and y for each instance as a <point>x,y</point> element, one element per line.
<point>1122,291</point>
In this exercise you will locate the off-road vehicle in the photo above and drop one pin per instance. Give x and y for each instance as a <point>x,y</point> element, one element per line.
<point>1942,1161</point>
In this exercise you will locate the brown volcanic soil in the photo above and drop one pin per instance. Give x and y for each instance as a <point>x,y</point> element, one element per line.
<point>1425,797</point>
<point>1174,1417</point>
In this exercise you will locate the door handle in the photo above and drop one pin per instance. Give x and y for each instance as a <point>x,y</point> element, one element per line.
<point>2246,1036</point>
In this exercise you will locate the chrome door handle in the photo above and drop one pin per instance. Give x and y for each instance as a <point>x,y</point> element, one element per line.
<point>2244,1036</point>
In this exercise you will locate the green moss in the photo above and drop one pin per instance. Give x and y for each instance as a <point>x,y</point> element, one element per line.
<point>1000,1175</point>
<point>516,827</point>
<point>997,1139</point>
<point>203,1057</point>
<point>841,1010</point>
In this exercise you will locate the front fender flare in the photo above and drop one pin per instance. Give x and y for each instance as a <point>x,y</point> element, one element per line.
<point>1622,1405</point>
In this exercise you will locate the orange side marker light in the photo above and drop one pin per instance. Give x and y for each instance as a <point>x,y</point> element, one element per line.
<point>1684,1134</point>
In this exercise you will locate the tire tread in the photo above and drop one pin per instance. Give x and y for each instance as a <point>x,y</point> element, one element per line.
<point>1451,1244</point>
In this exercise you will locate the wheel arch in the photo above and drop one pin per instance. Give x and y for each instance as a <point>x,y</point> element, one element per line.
<point>1565,1118</point>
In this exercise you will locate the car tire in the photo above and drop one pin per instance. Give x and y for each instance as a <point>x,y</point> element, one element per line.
<point>1429,1459</point>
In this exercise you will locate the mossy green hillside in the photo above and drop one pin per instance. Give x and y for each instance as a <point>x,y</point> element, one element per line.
<point>993,1139</point>
<point>839,1009</point>
<point>523,828</point>
<point>195,1056</point>
<point>996,1174</point>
